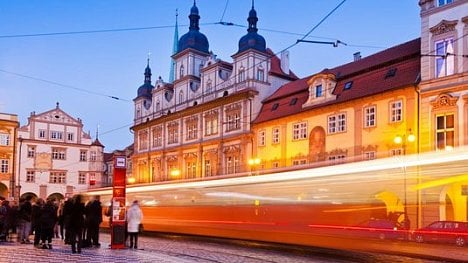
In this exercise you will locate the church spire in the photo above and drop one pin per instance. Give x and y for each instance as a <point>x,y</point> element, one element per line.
<point>148,72</point>
<point>194,17</point>
<point>174,49</point>
<point>253,19</point>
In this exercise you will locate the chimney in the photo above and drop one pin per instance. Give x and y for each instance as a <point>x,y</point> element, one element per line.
<point>357,56</point>
<point>285,61</point>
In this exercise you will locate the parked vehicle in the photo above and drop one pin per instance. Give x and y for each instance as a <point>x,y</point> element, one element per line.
<point>454,232</point>
<point>381,229</point>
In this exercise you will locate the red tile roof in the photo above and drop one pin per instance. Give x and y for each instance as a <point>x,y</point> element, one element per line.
<point>367,75</point>
<point>276,67</point>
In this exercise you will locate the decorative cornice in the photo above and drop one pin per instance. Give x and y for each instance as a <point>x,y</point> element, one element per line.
<point>443,27</point>
<point>443,101</point>
<point>232,149</point>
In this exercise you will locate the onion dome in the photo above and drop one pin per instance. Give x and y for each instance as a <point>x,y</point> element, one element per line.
<point>193,39</point>
<point>145,89</point>
<point>252,39</point>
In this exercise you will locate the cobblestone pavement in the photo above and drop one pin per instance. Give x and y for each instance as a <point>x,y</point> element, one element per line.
<point>171,249</point>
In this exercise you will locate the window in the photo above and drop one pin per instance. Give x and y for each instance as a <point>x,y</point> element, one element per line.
<point>275,136</point>
<point>93,156</point>
<point>181,96</point>
<point>299,162</point>
<point>157,136</point>
<point>396,110</point>
<point>396,152</point>
<point>337,123</point>
<point>4,166</point>
<point>192,129</point>
<point>275,164</point>
<point>293,102</point>
<point>158,105</point>
<point>300,131</point>
<point>318,91</point>
<point>443,2</point>
<point>58,154</point>
<point>82,178</point>
<point>173,133</point>
<point>209,88</point>
<point>83,155</point>
<point>348,85</point>
<point>241,74</point>
<point>31,151</point>
<point>42,134</point>
<point>211,123</point>
<point>336,159</point>
<point>56,135</point>
<point>57,178</point>
<point>390,73</point>
<point>191,170</point>
<point>445,131</point>
<point>4,139</point>
<point>444,59</point>
<point>369,155</point>
<point>30,176</point>
<point>70,136</point>
<point>181,71</point>
<point>143,140</point>
<point>274,107</point>
<point>208,171</point>
<point>233,121</point>
<point>232,164</point>
<point>369,116</point>
<point>261,138</point>
<point>260,74</point>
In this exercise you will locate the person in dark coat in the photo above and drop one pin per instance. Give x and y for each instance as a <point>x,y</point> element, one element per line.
<point>76,223</point>
<point>66,214</point>
<point>93,220</point>
<point>47,220</point>
<point>4,208</point>
<point>36,226</point>
<point>11,220</point>
<point>24,216</point>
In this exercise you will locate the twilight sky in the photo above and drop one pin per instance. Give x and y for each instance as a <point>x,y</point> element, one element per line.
<point>83,53</point>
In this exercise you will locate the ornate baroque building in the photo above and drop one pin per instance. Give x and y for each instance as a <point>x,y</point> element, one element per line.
<point>444,100</point>
<point>200,125</point>
<point>8,128</point>
<point>55,157</point>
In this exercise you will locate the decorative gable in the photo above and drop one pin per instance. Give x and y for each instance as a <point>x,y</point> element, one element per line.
<point>321,87</point>
<point>56,116</point>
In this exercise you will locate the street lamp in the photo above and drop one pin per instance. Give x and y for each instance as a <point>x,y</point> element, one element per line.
<point>402,140</point>
<point>253,163</point>
<point>175,172</point>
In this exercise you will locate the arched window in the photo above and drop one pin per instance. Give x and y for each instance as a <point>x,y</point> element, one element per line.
<point>241,74</point>
<point>181,96</point>
<point>181,71</point>
<point>200,69</point>
<point>158,105</point>
<point>208,87</point>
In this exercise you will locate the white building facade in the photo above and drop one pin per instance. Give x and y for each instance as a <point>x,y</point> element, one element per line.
<point>56,158</point>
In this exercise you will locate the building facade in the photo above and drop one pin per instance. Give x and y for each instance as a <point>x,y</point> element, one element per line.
<point>200,125</point>
<point>8,129</point>
<point>349,113</point>
<point>444,100</point>
<point>55,157</point>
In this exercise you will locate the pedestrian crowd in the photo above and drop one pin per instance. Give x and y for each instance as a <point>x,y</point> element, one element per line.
<point>71,220</point>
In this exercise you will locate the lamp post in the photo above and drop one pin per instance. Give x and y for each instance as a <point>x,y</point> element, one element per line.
<point>402,140</point>
<point>253,163</point>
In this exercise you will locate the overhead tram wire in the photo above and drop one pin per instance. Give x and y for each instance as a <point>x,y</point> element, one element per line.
<point>64,85</point>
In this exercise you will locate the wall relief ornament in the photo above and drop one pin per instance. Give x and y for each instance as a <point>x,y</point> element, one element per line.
<point>444,100</point>
<point>443,27</point>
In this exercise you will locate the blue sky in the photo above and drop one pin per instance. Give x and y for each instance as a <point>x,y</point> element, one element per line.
<point>89,68</point>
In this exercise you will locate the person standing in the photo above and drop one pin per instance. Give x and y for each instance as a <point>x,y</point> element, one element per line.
<point>76,223</point>
<point>66,214</point>
<point>24,215</point>
<point>93,219</point>
<point>134,218</point>
<point>47,220</point>
<point>36,226</point>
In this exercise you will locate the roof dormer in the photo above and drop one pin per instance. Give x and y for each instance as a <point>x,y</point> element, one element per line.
<point>321,87</point>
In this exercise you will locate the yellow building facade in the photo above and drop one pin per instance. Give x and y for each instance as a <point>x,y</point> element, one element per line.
<point>8,130</point>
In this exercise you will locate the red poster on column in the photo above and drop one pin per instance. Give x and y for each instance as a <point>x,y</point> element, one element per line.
<point>118,207</point>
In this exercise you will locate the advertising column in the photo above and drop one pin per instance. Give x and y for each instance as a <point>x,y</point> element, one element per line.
<point>118,207</point>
